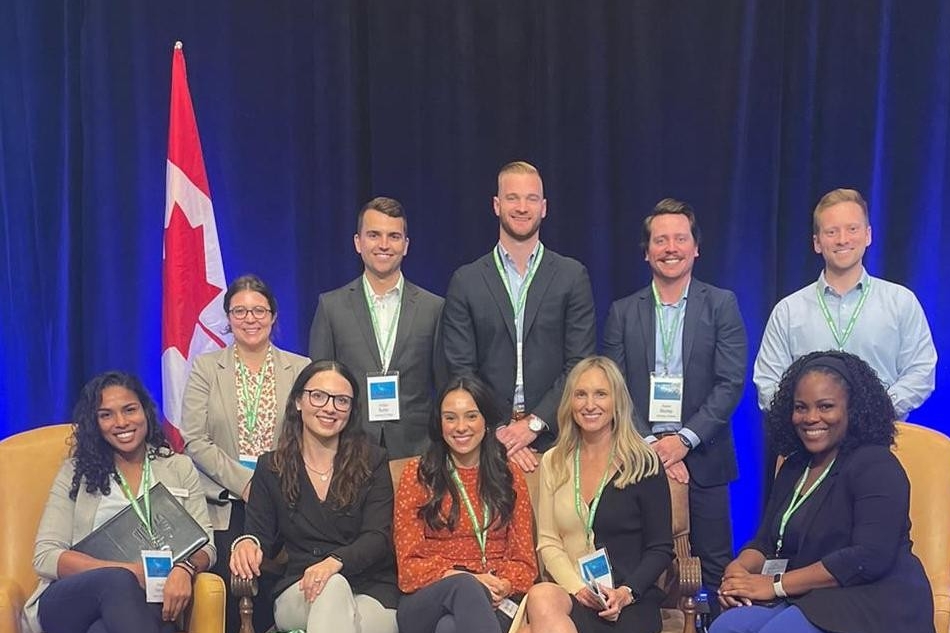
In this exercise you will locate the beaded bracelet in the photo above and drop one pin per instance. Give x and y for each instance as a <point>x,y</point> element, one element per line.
<point>246,537</point>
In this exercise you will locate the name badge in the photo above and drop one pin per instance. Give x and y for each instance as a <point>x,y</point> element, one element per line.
<point>509,607</point>
<point>595,572</point>
<point>666,398</point>
<point>774,566</point>
<point>157,564</point>
<point>248,461</point>
<point>383,396</point>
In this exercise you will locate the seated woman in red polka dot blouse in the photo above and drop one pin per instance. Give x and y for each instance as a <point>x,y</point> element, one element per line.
<point>463,525</point>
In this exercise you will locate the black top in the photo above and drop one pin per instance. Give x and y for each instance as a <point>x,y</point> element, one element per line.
<point>360,535</point>
<point>856,523</point>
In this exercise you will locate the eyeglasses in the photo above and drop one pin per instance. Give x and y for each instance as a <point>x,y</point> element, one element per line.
<point>318,398</point>
<point>240,312</point>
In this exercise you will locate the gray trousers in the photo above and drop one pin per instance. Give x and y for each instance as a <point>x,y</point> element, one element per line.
<point>336,609</point>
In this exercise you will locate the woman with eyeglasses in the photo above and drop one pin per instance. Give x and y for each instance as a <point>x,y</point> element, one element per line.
<point>463,531</point>
<point>326,496</point>
<point>231,414</point>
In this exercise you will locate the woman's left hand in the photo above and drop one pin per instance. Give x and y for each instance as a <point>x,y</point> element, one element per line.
<point>616,600</point>
<point>177,593</point>
<point>746,587</point>
<point>316,576</point>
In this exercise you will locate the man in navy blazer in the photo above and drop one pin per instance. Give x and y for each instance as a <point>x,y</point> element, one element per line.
<point>684,340</point>
<point>520,295</point>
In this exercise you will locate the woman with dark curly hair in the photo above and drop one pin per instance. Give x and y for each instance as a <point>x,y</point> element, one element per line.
<point>464,541</point>
<point>326,495</point>
<point>119,452</point>
<point>833,552</point>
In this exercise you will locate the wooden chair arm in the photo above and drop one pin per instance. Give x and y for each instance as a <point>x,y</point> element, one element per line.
<point>11,605</point>
<point>245,589</point>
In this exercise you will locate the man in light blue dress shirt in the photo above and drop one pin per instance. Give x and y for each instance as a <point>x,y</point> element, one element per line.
<point>848,309</point>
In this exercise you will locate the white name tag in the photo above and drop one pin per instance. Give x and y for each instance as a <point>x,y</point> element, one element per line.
<point>666,398</point>
<point>509,607</point>
<point>595,572</point>
<point>248,461</point>
<point>157,564</point>
<point>774,566</point>
<point>383,396</point>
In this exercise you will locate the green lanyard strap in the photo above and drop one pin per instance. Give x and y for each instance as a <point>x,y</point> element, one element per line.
<point>386,353</point>
<point>143,513</point>
<point>797,500</point>
<point>248,405</point>
<point>588,521</point>
<point>481,530</point>
<point>667,334</point>
<point>842,337</point>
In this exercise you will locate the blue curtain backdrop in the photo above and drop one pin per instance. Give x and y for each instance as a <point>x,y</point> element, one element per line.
<point>749,110</point>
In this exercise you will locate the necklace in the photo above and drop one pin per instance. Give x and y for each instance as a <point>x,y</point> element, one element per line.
<point>324,475</point>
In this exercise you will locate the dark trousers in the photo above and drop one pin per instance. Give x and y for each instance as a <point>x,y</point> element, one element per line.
<point>457,604</point>
<point>710,535</point>
<point>107,600</point>
<point>264,601</point>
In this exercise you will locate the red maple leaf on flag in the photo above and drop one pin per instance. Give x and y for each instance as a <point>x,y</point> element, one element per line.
<point>185,271</point>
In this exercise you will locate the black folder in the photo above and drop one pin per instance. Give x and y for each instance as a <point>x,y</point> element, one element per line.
<point>123,537</point>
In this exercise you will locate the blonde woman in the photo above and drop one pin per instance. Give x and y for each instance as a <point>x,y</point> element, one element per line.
<point>601,487</point>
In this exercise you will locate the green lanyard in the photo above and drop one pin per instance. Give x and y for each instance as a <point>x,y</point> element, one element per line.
<point>841,338</point>
<point>386,353</point>
<point>250,406</point>
<point>797,500</point>
<point>667,334</point>
<point>481,531</point>
<point>144,514</point>
<point>518,302</point>
<point>589,520</point>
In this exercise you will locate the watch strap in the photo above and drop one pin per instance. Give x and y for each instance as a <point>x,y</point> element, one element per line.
<point>777,586</point>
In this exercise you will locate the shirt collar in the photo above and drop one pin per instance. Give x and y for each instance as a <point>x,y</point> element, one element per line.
<point>825,288</point>
<point>395,291</point>
<point>510,263</point>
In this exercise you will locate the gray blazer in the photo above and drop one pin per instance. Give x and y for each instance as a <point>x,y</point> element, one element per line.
<point>66,522</point>
<point>479,331</point>
<point>209,424</point>
<point>342,330</point>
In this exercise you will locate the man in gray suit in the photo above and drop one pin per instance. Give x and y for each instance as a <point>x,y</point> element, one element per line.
<point>386,331</point>
<point>521,317</point>
<point>681,344</point>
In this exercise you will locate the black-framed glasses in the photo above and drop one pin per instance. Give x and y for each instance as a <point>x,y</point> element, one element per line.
<point>241,312</point>
<point>318,398</point>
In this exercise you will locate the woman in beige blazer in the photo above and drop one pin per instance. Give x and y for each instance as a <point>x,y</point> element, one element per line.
<point>118,452</point>
<point>231,414</point>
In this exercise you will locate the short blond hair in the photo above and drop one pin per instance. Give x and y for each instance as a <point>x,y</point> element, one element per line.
<point>836,196</point>
<point>637,459</point>
<point>517,167</point>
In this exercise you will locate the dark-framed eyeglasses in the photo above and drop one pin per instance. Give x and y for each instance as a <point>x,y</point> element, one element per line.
<point>318,398</point>
<point>241,312</point>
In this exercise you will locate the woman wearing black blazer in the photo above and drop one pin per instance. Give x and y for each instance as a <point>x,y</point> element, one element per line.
<point>837,515</point>
<point>326,496</point>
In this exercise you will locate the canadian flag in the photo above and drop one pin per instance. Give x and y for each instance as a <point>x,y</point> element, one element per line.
<point>193,281</point>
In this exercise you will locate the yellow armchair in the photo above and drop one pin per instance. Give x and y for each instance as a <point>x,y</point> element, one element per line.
<point>28,464</point>
<point>925,456</point>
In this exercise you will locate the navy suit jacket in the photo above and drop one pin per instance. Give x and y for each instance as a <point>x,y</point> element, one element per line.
<point>715,354</point>
<point>478,330</point>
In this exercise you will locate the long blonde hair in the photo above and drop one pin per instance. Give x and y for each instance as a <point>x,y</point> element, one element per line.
<point>637,459</point>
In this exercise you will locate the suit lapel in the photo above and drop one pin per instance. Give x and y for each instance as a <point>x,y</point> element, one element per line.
<point>227,392</point>
<point>284,377</point>
<point>496,288</point>
<point>695,303</point>
<point>315,512</point>
<point>539,286</point>
<point>813,506</point>
<point>357,299</point>
<point>407,313</point>
<point>647,319</point>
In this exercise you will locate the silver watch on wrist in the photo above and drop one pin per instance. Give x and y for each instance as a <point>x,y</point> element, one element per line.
<point>536,424</point>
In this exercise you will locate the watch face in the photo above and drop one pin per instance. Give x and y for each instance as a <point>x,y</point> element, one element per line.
<point>536,425</point>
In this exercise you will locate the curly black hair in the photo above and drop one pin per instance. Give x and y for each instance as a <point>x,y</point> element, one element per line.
<point>871,413</point>
<point>495,481</point>
<point>93,457</point>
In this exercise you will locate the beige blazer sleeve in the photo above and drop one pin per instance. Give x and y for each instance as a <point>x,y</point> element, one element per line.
<point>561,537</point>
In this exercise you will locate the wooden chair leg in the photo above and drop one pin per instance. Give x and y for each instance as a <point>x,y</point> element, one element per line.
<point>688,607</point>
<point>246,589</point>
